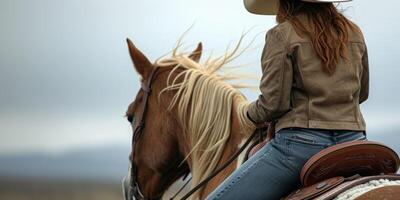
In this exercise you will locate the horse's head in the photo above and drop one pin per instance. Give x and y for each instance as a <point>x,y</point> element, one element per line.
<point>157,158</point>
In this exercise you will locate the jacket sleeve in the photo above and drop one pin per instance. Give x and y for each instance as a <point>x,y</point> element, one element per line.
<point>364,91</point>
<point>276,81</point>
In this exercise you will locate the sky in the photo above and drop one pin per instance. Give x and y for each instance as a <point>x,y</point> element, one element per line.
<point>66,78</point>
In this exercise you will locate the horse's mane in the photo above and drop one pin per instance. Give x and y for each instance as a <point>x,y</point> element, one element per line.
<point>204,99</point>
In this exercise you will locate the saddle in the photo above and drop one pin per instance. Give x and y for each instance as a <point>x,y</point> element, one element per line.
<point>341,167</point>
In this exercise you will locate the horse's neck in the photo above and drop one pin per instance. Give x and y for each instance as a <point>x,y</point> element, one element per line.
<point>231,148</point>
<point>235,140</point>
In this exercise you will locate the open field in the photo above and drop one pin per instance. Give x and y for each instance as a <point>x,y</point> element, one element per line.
<point>58,190</point>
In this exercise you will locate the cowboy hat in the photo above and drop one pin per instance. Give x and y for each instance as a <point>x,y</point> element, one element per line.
<point>270,7</point>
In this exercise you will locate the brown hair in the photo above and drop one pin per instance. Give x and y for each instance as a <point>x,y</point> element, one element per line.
<point>328,29</point>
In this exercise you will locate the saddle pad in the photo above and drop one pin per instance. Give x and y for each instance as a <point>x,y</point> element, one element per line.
<point>350,184</point>
<point>365,158</point>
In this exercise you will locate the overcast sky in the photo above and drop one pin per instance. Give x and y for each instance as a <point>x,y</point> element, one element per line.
<point>66,78</point>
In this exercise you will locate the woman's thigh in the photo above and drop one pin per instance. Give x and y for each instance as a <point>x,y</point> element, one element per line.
<point>266,175</point>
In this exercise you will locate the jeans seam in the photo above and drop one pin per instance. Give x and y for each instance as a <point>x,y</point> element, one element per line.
<point>311,144</point>
<point>341,137</point>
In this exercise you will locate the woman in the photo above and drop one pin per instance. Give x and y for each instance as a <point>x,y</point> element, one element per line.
<point>315,75</point>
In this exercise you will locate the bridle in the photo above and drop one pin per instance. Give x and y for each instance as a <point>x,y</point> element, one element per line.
<point>134,189</point>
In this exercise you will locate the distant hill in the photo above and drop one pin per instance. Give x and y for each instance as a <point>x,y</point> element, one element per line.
<point>109,163</point>
<point>12,189</point>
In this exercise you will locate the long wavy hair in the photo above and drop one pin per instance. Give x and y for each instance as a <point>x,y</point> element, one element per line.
<point>327,28</point>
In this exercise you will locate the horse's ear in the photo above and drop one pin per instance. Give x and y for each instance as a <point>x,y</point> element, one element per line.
<point>142,65</point>
<point>196,54</point>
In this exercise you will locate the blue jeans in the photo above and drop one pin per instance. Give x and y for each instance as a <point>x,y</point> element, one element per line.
<point>273,172</point>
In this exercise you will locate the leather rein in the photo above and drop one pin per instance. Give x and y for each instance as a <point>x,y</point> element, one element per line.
<point>134,189</point>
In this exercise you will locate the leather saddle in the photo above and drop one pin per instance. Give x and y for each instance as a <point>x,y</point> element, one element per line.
<point>365,158</point>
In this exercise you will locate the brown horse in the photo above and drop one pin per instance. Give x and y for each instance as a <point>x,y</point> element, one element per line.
<point>193,121</point>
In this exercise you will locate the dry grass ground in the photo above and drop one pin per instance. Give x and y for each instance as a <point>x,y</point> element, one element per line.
<point>58,190</point>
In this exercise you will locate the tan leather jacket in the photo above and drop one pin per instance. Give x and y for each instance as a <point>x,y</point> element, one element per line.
<point>296,92</point>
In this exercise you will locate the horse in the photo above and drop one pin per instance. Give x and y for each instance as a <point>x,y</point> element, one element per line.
<point>192,122</point>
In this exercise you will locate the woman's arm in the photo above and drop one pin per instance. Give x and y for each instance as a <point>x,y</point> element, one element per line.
<point>276,81</point>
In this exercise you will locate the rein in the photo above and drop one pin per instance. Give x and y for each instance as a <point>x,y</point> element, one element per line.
<point>134,192</point>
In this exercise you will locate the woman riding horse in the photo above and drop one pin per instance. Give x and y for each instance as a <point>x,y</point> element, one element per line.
<point>315,76</point>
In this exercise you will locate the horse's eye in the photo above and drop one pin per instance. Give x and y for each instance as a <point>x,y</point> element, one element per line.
<point>131,118</point>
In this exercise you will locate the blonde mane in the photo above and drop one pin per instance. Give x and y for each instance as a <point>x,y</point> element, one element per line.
<point>204,102</point>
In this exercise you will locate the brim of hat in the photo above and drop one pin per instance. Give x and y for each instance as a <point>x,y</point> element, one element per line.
<point>262,7</point>
<point>270,7</point>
